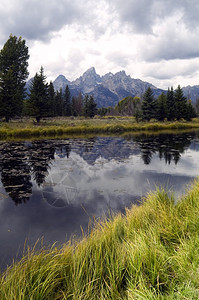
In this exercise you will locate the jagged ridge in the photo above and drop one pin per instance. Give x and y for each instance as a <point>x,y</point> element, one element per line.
<point>107,89</point>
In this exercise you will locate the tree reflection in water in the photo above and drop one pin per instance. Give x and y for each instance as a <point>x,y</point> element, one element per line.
<point>15,172</point>
<point>22,162</point>
<point>40,156</point>
<point>168,146</point>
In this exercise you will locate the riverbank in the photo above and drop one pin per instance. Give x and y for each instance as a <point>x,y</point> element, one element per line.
<point>150,253</point>
<point>52,127</point>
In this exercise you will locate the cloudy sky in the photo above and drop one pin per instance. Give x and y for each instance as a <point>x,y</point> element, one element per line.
<point>154,40</point>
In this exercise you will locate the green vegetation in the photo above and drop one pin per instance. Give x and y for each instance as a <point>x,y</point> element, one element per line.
<point>52,127</point>
<point>168,106</point>
<point>38,99</point>
<point>150,253</point>
<point>13,73</point>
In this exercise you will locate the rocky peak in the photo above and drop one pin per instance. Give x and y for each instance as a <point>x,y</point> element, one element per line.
<point>88,80</point>
<point>90,71</point>
<point>91,74</point>
<point>60,82</point>
<point>121,74</point>
<point>107,76</point>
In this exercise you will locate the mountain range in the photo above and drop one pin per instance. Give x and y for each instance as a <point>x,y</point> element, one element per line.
<point>110,88</point>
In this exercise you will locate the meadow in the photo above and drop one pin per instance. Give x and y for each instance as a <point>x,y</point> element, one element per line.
<point>150,252</point>
<point>52,127</point>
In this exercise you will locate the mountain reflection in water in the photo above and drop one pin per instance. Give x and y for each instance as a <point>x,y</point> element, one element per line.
<point>24,162</point>
<point>59,185</point>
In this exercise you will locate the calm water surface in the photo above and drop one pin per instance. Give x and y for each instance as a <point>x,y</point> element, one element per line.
<point>52,188</point>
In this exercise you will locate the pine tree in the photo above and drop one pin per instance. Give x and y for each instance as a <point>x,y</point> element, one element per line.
<point>38,98</point>
<point>149,105</point>
<point>86,106</point>
<point>162,107</point>
<point>59,103</point>
<point>171,109</point>
<point>67,103</point>
<point>190,113</point>
<point>90,109</point>
<point>73,107</point>
<point>51,100</point>
<point>180,104</point>
<point>13,73</point>
<point>77,105</point>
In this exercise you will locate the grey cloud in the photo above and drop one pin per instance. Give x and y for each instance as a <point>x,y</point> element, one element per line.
<point>143,14</point>
<point>170,47</point>
<point>138,13</point>
<point>37,19</point>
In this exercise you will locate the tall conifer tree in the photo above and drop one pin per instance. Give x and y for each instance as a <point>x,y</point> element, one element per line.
<point>162,110</point>
<point>67,102</point>
<point>171,109</point>
<point>38,98</point>
<point>149,105</point>
<point>13,73</point>
<point>180,104</point>
<point>51,100</point>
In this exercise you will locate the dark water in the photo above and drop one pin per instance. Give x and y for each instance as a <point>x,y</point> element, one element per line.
<point>50,188</point>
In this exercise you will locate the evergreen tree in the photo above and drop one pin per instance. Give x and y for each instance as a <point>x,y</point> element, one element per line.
<point>77,105</point>
<point>59,103</point>
<point>38,98</point>
<point>73,107</point>
<point>86,106</point>
<point>171,109</point>
<point>67,103</point>
<point>197,107</point>
<point>51,100</point>
<point>180,104</point>
<point>162,107</point>
<point>149,105</point>
<point>13,73</point>
<point>190,113</point>
<point>90,109</point>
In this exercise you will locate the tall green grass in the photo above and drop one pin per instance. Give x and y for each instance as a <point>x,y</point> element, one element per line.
<point>52,127</point>
<point>151,252</point>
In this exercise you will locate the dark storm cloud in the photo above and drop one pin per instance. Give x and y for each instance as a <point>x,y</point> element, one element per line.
<point>36,19</point>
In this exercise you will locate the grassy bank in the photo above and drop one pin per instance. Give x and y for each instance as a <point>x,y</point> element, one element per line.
<point>150,253</point>
<point>27,128</point>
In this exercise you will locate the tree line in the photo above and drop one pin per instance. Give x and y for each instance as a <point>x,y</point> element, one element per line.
<point>172,105</point>
<point>43,101</point>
